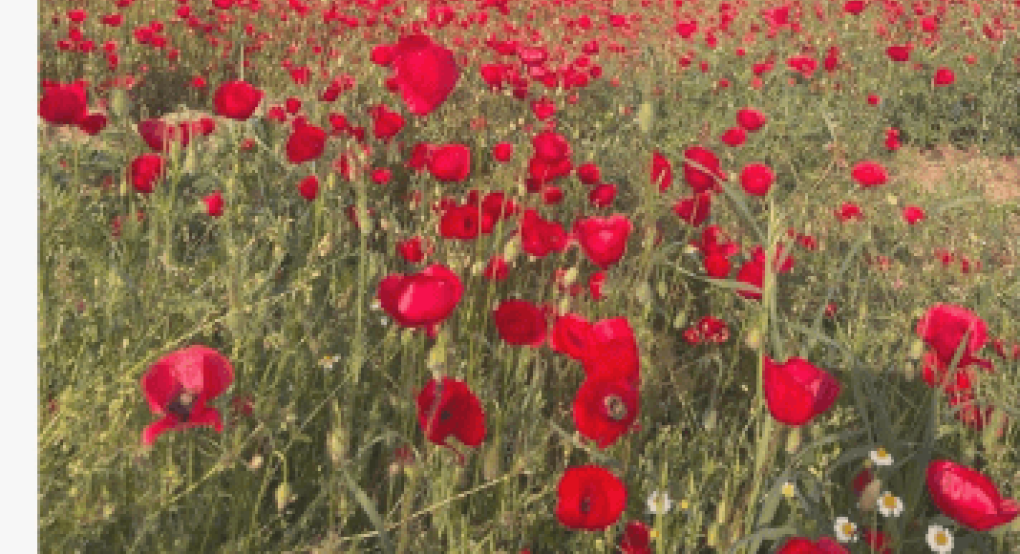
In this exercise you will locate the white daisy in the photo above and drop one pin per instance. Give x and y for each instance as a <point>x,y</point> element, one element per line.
<point>846,531</point>
<point>889,505</point>
<point>940,540</point>
<point>327,362</point>
<point>659,503</point>
<point>881,457</point>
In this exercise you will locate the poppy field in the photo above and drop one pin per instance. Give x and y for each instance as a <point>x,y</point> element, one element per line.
<point>635,276</point>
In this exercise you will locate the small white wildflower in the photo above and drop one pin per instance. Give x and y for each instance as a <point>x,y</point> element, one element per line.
<point>846,530</point>
<point>889,505</point>
<point>939,539</point>
<point>881,457</point>
<point>659,503</point>
<point>789,490</point>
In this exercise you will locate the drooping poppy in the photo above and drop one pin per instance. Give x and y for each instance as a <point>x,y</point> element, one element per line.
<point>448,408</point>
<point>613,353</point>
<point>797,391</point>
<point>636,538</point>
<point>178,386</point>
<point>701,169</point>
<point>421,299</point>
<point>662,171</point>
<point>751,119</point>
<point>968,496</point>
<point>571,335</point>
<point>590,497</point>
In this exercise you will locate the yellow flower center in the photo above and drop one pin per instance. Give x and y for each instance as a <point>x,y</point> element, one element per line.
<point>941,539</point>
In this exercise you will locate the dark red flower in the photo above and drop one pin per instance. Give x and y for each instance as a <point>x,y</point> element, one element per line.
<point>636,538</point>
<point>306,142</point>
<point>503,151</point>
<point>605,409</point>
<point>757,179</point>
<point>93,123</point>
<point>751,119</point>
<point>309,187</point>
<point>662,171</point>
<point>425,73</point>
<point>797,391</point>
<point>540,237</point>
<point>178,386</point>
<point>877,541</point>
<point>497,269</point>
<point>214,204</point>
<point>603,239</point>
<point>613,353</point>
<point>236,100</point>
<point>943,77</point>
<point>701,169</point>
<point>590,497</point>
<point>412,250</point>
<point>63,104</point>
<point>520,323</point>
<point>421,299</point>
<point>869,174</point>
<point>144,171</point>
<point>385,123</point>
<point>694,210</point>
<point>968,496</point>
<point>450,163</point>
<point>899,53</point>
<point>944,326</point>
<point>589,174</point>
<point>448,408</point>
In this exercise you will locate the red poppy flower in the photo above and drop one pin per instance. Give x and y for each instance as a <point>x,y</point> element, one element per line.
<point>869,174</point>
<point>309,187</point>
<point>943,328</point>
<point>421,299</point>
<point>179,385</point>
<point>636,538</point>
<point>93,123</point>
<point>589,174</point>
<point>306,142</point>
<point>613,353</point>
<point>797,391</point>
<point>854,7</point>
<point>603,239</point>
<point>236,100</point>
<point>662,171</point>
<point>520,323</point>
<point>602,196</point>
<point>214,204</point>
<point>913,214</point>
<point>694,210</point>
<point>605,409</point>
<point>550,146</point>
<point>540,237</point>
<point>968,496</point>
<point>849,211</point>
<point>734,137</point>
<point>751,119</point>
<point>704,176</point>
<point>590,497</point>
<point>943,77</point>
<point>572,335</point>
<point>63,104</point>
<point>412,250</point>
<point>801,545</point>
<point>503,151</point>
<point>757,179</point>
<point>385,123</point>
<point>157,134</point>
<point>144,171</point>
<point>450,163</point>
<point>898,53</point>
<point>425,73</point>
<point>448,408</point>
